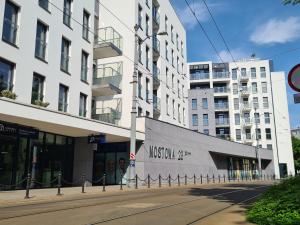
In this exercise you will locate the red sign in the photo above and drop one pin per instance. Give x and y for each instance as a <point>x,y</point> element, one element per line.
<point>132,156</point>
<point>294,78</point>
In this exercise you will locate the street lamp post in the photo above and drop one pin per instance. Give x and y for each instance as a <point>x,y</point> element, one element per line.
<point>257,147</point>
<point>132,171</point>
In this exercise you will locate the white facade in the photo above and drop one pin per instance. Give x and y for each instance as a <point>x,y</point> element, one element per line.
<point>249,96</point>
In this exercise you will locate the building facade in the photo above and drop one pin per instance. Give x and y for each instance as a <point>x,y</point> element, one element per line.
<point>250,106</point>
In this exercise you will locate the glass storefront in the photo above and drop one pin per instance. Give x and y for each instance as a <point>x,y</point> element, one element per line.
<point>238,168</point>
<point>24,150</point>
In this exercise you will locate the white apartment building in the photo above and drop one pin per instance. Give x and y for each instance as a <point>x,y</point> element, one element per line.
<point>66,70</point>
<point>249,107</point>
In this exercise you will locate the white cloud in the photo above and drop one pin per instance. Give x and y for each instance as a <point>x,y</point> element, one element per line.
<point>277,31</point>
<point>236,53</point>
<point>187,18</point>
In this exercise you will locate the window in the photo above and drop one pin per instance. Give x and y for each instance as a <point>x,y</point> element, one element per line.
<point>255,103</point>
<point>147,57</point>
<point>67,12</point>
<point>238,134</point>
<point>253,73</point>
<point>177,42</point>
<point>140,111</point>
<point>86,25</point>
<point>247,117</point>
<point>140,50</point>
<point>84,65</point>
<point>269,147</point>
<point>41,41</point>
<point>258,134</point>
<point>179,115</point>
<point>257,118</point>
<point>182,50</point>
<point>44,4</point>
<point>6,75</point>
<point>263,72</point>
<point>140,17</point>
<point>237,119</point>
<point>235,89</point>
<point>173,81</point>
<point>65,55</point>
<point>182,90</point>
<point>147,114</point>
<point>248,134</point>
<point>204,103</point>
<point>254,88</point>
<point>267,118</point>
<point>167,76</point>
<point>195,119</point>
<point>243,72</point>
<point>206,131</point>
<point>194,104</point>
<point>266,102</point>
<point>264,87</point>
<point>172,57</point>
<point>10,23</point>
<point>173,106</point>
<point>167,51</point>
<point>166,24</point>
<point>236,104</point>
<point>82,105</point>
<point>37,93</point>
<point>167,104</point>
<point>178,89</point>
<point>268,134</point>
<point>147,90</point>
<point>234,74</point>
<point>178,64</point>
<point>140,84</point>
<point>63,98</point>
<point>172,33</point>
<point>205,119</point>
<point>183,116</point>
<point>147,25</point>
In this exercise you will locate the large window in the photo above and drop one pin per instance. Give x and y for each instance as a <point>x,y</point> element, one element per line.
<point>235,88</point>
<point>37,93</point>
<point>234,74</point>
<point>44,4</point>
<point>263,72</point>
<point>253,73</point>
<point>258,134</point>
<point>268,134</point>
<point>84,66</point>
<point>204,103</point>
<point>167,104</point>
<point>6,75</point>
<point>140,84</point>
<point>264,87</point>
<point>236,104</point>
<point>86,25</point>
<point>82,105</point>
<point>67,12</point>
<point>238,134</point>
<point>266,102</point>
<point>255,103</point>
<point>257,118</point>
<point>205,119</point>
<point>140,17</point>
<point>237,119</point>
<point>63,98</point>
<point>65,55</point>
<point>195,119</point>
<point>41,41</point>
<point>10,23</point>
<point>194,104</point>
<point>267,118</point>
<point>254,88</point>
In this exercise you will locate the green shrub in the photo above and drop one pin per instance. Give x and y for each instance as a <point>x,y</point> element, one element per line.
<point>280,205</point>
<point>41,103</point>
<point>8,94</point>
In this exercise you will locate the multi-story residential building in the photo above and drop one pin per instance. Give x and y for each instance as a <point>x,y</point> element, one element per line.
<point>296,132</point>
<point>66,71</point>
<point>250,105</point>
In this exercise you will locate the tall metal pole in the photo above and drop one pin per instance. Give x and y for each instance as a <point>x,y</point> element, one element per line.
<point>257,147</point>
<point>133,110</point>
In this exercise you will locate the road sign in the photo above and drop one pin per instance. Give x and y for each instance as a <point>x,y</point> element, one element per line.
<point>297,98</point>
<point>97,139</point>
<point>294,78</point>
<point>132,156</point>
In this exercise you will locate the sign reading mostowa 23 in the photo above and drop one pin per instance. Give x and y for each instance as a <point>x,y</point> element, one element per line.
<point>159,152</point>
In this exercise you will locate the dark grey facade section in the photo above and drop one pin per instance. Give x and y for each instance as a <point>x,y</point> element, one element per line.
<point>200,110</point>
<point>173,150</point>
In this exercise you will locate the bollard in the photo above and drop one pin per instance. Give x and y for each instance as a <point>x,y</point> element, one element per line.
<point>194,179</point>
<point>207,179</point>
<point>121,184</point>
<point>178,178</point>
<point>82,183</point>
<point>148,181</point>
<point>185,180</point>
<point>136,181</point>
<point>59,184</point>
<point>201,179</point>
<point>213,178</point>
<point>169,180</point>
<point>224,178</point>
<point>104,183</point>
<point>28,186</point>
<point>159,180</point>
<point>219,179</point>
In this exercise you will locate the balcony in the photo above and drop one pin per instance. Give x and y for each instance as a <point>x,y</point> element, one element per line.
<point>107,80</point>
<point>223,136</point>
<point>245,76</point>
<point>108,43</point>
<point>246,106</point>
<point>156,77</point>
<point>248,139</point>
<point>221,90</point>
<point>221,106</point>
<point>156,48</point>
<point>247,123</point>
<point>156,106</point>
<point>245,91</point>
<point>156,19</point>
<point>222,122</point>
<point>221,75</point>
<point>107,115</point>
<point>199,76</point>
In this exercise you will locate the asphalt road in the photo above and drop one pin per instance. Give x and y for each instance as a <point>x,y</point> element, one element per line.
<point>174,206</point>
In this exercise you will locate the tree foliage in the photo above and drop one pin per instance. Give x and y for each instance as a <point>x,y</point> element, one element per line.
<point>296,150</point>
<point>294,2</point>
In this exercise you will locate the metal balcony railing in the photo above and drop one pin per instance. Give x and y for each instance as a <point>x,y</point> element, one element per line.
<point>245,75</point>
<point>224,121</point>
<point>220,75</point>
<point>156,75</point>
<point>221,89</point>
<point>199,76</point>
<point>224,136</point>
<point>156,44</point>
<point>156,16</point>
<point>108,35</point>
<point>156,103</point>
<point>221,105</point>
<point>107,115</point>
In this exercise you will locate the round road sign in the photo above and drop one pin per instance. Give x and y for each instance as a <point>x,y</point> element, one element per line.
<point>294,78</point>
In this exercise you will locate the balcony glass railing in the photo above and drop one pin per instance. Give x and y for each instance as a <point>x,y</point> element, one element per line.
<point>199,76</point>
<point>107,115</point>
<point>221,90</point>
<point>156,16</point>
<point>224,121</point>
<point>221,105</point>
<point>108,35</point>
<point>108,74</point>
<point>156,73</point>
<point>245,75</point>
<point>156,103</point>
<point>218,75</point>
<point>224,136</point>
<point>156,44</point>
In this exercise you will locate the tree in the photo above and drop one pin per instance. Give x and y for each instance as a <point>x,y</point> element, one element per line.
<point>296,150</point>
<point>294,2</point>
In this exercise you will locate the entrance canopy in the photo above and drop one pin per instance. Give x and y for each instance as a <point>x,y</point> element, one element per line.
<point>61,123</point>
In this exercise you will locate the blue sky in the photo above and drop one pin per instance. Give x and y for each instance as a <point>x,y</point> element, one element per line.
<point>264,27</point>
